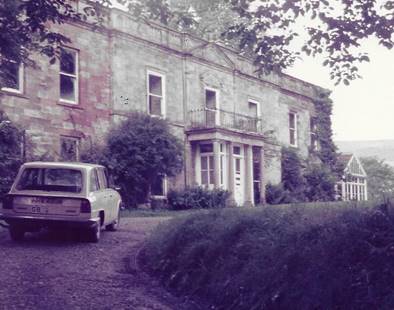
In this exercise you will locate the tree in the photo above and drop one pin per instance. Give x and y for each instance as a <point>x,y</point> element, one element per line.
<point>10,152</point>
<point>139,151</point>
<point>25,28</point>
<point>320,183</point>
<point>269,32</point>
<point>293,180</point>
<point>380,177</point>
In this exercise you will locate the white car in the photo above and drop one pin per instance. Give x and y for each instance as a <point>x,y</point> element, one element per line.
<point>56,194</point>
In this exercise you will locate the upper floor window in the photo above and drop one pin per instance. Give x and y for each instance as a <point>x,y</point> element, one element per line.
<point>69,76</point>
<point>69,148</point>
<point>253,108</point>
<point>313,131</point>
<point>212,107</point>
<point>14,82</point>
<point>293,135</point>
<point>156,100</point>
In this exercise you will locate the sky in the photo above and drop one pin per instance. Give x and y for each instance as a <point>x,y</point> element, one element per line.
<point>364,110</point>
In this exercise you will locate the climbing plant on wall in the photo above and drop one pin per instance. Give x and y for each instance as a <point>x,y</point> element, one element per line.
<point>327,151</point>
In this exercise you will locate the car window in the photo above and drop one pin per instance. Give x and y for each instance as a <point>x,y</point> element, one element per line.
<point>94,184</point>
<point>102,178</point>
<point>51,179</point>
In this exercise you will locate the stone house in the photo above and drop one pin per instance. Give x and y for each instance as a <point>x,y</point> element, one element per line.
<point>354,185</point>
<point>232,122</point>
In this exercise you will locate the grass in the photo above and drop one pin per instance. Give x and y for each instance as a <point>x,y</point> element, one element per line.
<point>155,213</point>
<point>321,256</point>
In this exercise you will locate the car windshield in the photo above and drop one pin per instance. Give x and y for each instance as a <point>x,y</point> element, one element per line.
<point>51,179</point>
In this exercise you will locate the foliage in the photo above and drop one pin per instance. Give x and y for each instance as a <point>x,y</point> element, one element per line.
<point>136,152</point>
<point>25,28</point>
<point>293,180</point>
<point>380,177</point>
<point>320,183</point>
<point>275,194</point>
<point>327,151</point>
<point>334,29</point>
<point>299,257</point>
<point>270,30</point>
<point>10,152</point>
<point>197,198</point>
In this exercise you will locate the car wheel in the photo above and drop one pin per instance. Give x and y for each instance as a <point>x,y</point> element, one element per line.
<point>115,225</point>
<point>16,233</point>
<point>95,233</point>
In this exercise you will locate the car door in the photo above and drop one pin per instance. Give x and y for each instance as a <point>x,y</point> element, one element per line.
<point>110,209</point>
<point>96,191</point>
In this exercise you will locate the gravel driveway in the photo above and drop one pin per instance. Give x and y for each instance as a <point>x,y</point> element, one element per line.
<point>57,271</point>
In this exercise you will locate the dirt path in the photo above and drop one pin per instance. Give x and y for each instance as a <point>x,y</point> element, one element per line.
<point>56,271</point>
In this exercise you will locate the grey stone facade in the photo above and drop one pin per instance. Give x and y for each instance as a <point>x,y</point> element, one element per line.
<point>114,64</point>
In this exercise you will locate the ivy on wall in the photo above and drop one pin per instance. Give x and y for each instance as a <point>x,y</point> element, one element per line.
<point>313,179</point>
<point>327,152</point>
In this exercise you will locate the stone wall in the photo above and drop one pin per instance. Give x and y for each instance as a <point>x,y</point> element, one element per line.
<point>113,66</point>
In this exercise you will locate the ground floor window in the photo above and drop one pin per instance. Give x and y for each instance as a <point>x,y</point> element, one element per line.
<point>158,187</point>
<point>256,175</point>
<point>69,148</point>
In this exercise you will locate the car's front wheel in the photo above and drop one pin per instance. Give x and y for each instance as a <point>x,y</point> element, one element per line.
<point>17,233</point>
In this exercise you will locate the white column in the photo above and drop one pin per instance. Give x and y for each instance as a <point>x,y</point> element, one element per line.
<point>230,166</point>
<point>249,175</point>
<point>216,154</point>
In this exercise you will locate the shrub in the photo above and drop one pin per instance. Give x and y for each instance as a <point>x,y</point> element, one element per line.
<point>138,151</point>
<point>10,153</point>
<point>276,194</point>
<point>197,198</point>
<point>279,258</point>
<point>320,183</point>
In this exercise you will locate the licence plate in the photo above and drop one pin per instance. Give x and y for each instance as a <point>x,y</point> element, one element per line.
<point>39,210</point>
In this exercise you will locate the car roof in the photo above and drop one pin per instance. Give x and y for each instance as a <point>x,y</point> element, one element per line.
<point>52,164</point>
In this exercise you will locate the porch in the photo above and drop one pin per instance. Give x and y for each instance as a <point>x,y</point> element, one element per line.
<point>227,159</point>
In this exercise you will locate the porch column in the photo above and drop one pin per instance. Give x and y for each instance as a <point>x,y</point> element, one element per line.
<point>249,201</point>
<point>216,156</point>
<point>343,187</point>
<point>189,163</point>
<point>262,176</point>
<point>230,167</point>
<point>365,189</point>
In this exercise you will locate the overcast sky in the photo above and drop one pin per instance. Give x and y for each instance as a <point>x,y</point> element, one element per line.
<point>364,110</point>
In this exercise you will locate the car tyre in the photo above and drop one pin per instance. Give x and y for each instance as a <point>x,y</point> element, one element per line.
<point>95,233</point>
<point>115,225</point>
<point>17,233</point>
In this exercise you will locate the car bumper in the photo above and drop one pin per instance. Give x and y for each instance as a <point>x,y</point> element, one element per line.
<point>39,222</point>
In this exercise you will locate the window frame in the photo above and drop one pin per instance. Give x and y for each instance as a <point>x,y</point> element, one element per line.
<point>314,143</point>
<point>21,80</point>
<point>257,103</point>
<point>165,189</point>
<point>149,94</point>
<point>77,148</point>
<point>74,76</point>
<point>217,103</point>
<point>293,130</point>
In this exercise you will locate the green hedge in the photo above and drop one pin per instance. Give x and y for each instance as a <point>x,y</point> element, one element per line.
<point>197,198</point>
<point>324,257</point>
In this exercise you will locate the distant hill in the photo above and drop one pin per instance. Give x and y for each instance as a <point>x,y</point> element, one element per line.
<point>382,149</point>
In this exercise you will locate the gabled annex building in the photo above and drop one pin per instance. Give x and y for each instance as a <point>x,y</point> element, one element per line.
<point>233,123</point>
<point>354,185</point>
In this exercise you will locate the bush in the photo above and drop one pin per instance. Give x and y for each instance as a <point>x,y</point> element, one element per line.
<point>10,153</point>
<point>337,257</point>
<point>137,152</point>
<point>276,194</point>
<point>197,198</point>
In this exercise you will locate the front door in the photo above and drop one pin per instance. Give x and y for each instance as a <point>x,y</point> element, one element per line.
<point>238,175</point>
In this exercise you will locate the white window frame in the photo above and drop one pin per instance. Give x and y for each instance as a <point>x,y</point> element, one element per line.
<point>217,103</point>
<point>163,95</point>
<point>313,134</point>
<point>165,189</point>
<point>199,166</point>
<point>75,76</point>
<point>295,129</point>
<point>21,71</point>
<point>257,103</point>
